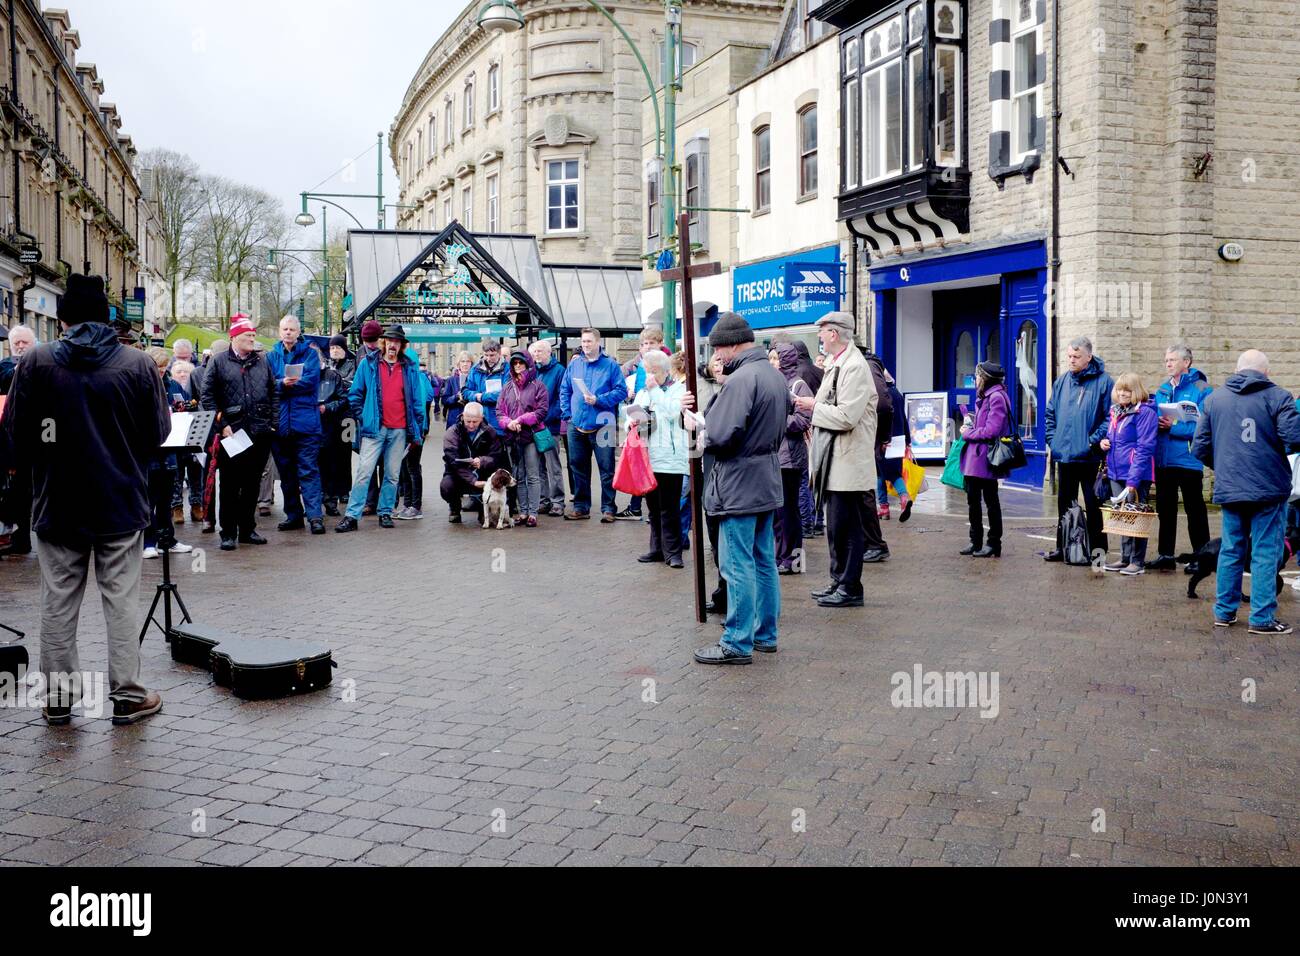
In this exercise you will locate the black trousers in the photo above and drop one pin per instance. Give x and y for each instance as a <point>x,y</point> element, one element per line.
<point>161,533</point>
<point>789,525</point>
<point>987,490</point>
<point>666,515</point>
<point>1069,477</point>
<point>453,489</point>
<point>846,534</point>
<point>240,479</point>
<point>875,538</point>
<point>335,466</point>
<point>1170,482</point>
<point>410,486</point>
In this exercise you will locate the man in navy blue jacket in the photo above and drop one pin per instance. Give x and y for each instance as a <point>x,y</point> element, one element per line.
<point>590,394</point>
<point>1077,417</point>
<point>296,446</point>
<point>1244,434</point>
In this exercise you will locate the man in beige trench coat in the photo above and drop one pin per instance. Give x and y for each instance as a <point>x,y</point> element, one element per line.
<point>850,487</point>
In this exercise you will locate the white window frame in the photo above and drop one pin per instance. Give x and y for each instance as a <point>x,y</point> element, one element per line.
<point>852,136</point>
<point>886,172</point>
<point>654,197</point>
<point>1021,98</point>
<point>449,121</point>
<point>467,206</point>
<point>958,132</point>
<point>467,108</point>
<point>433,135</point>
<point>494,88</point>
<point>547,182</point>
<point>494,203</point>
<point>802,152</point>
<point>915,137</point>
<point>447,212</point>
<point>759,207</point>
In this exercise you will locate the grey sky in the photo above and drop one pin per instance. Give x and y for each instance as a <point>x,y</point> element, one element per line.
<point>274,93</point>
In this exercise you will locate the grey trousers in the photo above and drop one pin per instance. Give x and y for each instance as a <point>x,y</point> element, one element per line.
<point>63,584</point>
<point>266,493</point>
<point>552,474</point>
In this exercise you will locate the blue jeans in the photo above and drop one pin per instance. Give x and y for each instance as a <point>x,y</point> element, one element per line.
<point>297,458</point>
<point>582,445</point>
<point>391,446</point>
<point>1262,524</point>
<point>882,490</point>
<point>748,546</point>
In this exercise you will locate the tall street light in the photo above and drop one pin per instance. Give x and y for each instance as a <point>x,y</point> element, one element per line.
<point>502,16</point>
<point>306,219</point>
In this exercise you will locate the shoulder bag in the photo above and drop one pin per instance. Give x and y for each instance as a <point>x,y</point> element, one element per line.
<point>1007,453</point>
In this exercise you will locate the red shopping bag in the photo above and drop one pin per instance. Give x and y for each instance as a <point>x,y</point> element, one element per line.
<point>633,476</point>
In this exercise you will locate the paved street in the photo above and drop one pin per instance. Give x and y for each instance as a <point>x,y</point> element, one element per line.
<point>550,713</point>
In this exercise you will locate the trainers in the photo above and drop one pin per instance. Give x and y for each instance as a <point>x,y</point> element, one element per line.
<point>609,518</point>
<point>1115,566</point>
<point>179,548</point>
<point>627,514</point>
<point>129,711</point>
<point>1221,622</point>
<point>151,553</point>
<point>577,516</point>
<point>1133,569</point>
<point>409,513</point>
<point>1275,627</point>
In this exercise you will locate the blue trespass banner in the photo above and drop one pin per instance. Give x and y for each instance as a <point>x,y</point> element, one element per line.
<point>794,290</point>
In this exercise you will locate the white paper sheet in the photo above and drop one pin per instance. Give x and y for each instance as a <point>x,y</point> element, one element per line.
<point>1180,411</point>
<point>236,443</point>
<point>697,418</point>
<point>180,430</point>
<point>293,371</point>
<point>897,447</point>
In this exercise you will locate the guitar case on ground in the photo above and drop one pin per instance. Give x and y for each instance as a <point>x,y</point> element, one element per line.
<point>254,668</point>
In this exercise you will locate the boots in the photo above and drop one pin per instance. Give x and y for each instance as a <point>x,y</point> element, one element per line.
<point>178,515</point>
<point>196,514</point>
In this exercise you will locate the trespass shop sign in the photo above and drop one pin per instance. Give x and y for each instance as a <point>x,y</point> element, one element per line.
<point>793,290</point>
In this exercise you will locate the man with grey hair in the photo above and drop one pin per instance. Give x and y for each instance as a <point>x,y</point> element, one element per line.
<point>1177,469</point>
<point>296,447</point>
<point>1244,435</point>
<point>21,341</point>
<point>1077,417</point>
<point>551,374</point>
<point>182,351</point>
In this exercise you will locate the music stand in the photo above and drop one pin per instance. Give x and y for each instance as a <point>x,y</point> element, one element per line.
<point>190,439</point>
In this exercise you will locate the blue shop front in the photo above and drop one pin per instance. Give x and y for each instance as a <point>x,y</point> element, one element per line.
<point>938,316</point>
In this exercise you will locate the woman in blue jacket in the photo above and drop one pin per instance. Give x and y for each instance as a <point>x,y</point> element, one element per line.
<point>1130,446</point>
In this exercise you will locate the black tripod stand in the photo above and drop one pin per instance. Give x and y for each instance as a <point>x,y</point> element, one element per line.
<point>164,593</point>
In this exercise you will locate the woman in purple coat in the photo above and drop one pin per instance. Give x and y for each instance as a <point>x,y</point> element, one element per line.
<point>521,413</point>
<point>992,416</point>
<point>1130,444</point>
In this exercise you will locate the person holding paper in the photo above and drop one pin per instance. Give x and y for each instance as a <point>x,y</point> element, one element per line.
<point>241,386</point>
<point>108,411</point>
<point>590,394</point>
<point>296,447</point>
<point>484,383</point>
<point>1177,470</point>
<point>470,454</point>
<point>992,416</point>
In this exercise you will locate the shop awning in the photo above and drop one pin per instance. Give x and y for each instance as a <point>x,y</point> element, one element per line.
<point>607,298</point>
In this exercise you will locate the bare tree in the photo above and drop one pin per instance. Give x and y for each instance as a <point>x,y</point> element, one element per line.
<point>174,187</point>
<point>238,227</point>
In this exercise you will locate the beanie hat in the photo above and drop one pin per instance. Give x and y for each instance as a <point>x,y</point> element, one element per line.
<point>730,329</point>
<point>85,301</point>
<point>992,371</point>
<point>340,340</point>
<point>371,331</point>
<point>241,323</point>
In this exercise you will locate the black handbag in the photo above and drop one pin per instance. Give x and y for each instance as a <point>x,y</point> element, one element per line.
<point>1007,453</point>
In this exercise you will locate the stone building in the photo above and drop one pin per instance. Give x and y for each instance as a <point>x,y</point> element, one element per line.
<point>70,200</point>
<point>540,131</point>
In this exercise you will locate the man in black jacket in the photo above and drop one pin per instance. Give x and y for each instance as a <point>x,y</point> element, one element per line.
<point>85,417</point>
<point>470,453</point>
<point>241,386</point>
<point>744,429</point>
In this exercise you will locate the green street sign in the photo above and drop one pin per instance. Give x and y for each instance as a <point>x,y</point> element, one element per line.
<point>134,310</point>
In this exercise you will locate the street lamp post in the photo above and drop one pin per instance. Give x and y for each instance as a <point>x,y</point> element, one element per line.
<point>502,16</point>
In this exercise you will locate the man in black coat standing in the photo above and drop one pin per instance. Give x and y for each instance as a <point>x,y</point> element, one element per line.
<point>744,429</point>
<point>241,386</point>
<point>86,416</point>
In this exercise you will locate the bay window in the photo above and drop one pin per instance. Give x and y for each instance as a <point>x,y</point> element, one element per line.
<point>1026,79</point>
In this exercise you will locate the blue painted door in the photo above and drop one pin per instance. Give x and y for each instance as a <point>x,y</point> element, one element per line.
<point>1024,358</point>
<point>967,332</point>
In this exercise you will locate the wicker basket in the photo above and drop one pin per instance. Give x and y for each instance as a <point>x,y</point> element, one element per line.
<point>1128,524</point>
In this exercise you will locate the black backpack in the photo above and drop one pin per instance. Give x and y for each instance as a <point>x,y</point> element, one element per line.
<point>884,401</point>
<point>1072,537</point>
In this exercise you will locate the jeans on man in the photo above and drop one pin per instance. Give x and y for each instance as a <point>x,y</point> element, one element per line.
<point>1169,482</point>
<point>582,445</point>
<point>63,585</point>
<point>748,545</point>
<point>190,472</point>
<point>390,446</point>
<point>297,459</point>
<point>1261,528</point>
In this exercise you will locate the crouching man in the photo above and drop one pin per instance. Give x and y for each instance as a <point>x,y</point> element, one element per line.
<point>470,453</point>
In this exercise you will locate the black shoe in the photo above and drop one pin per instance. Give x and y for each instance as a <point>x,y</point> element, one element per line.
<point>987,552</point>
<point>229,544</point>
<point>454,518</point>
<point>716,607</point>
<point>968,550</point>
<point>1162,563</point>
<point>1277,627</point>
<point>386,521</point>
<point>291,524</point>
<point>875,556</point>
<point>627,514</point>
<point>651,557</point>
<point>717,654</point>
<point>1054,556</point>
<point>57,716</point>
<point>251,538</point>
<point>332,511</point>
<point>765,648</point>
<point>317,525</point>
<point>676,561</point>
<point>840,598</point>
<point>346,525</point>
<point>828,590</point>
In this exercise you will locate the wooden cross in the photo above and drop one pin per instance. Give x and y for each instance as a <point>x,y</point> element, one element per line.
<point>698,271</point>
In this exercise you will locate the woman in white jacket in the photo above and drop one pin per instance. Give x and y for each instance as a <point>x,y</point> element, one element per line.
<point>665,437</point>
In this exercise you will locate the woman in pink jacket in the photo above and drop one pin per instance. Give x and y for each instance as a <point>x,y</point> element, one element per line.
<point>521,413</point>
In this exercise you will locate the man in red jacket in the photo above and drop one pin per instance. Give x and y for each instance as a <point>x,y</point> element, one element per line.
<point>86,416</point>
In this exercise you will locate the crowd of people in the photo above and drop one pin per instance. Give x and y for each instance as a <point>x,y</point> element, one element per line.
<point>790,447</point>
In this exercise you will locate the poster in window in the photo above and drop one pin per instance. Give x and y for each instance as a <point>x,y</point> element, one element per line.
<point>927,422</point>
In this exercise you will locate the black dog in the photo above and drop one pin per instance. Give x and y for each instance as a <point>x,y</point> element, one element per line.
<point>1207,560</point>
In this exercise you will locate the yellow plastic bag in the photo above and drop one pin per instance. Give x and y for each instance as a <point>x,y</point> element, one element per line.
<point>913,478</point>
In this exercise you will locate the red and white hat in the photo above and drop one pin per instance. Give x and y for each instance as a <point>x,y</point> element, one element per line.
<point>241,323</point>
